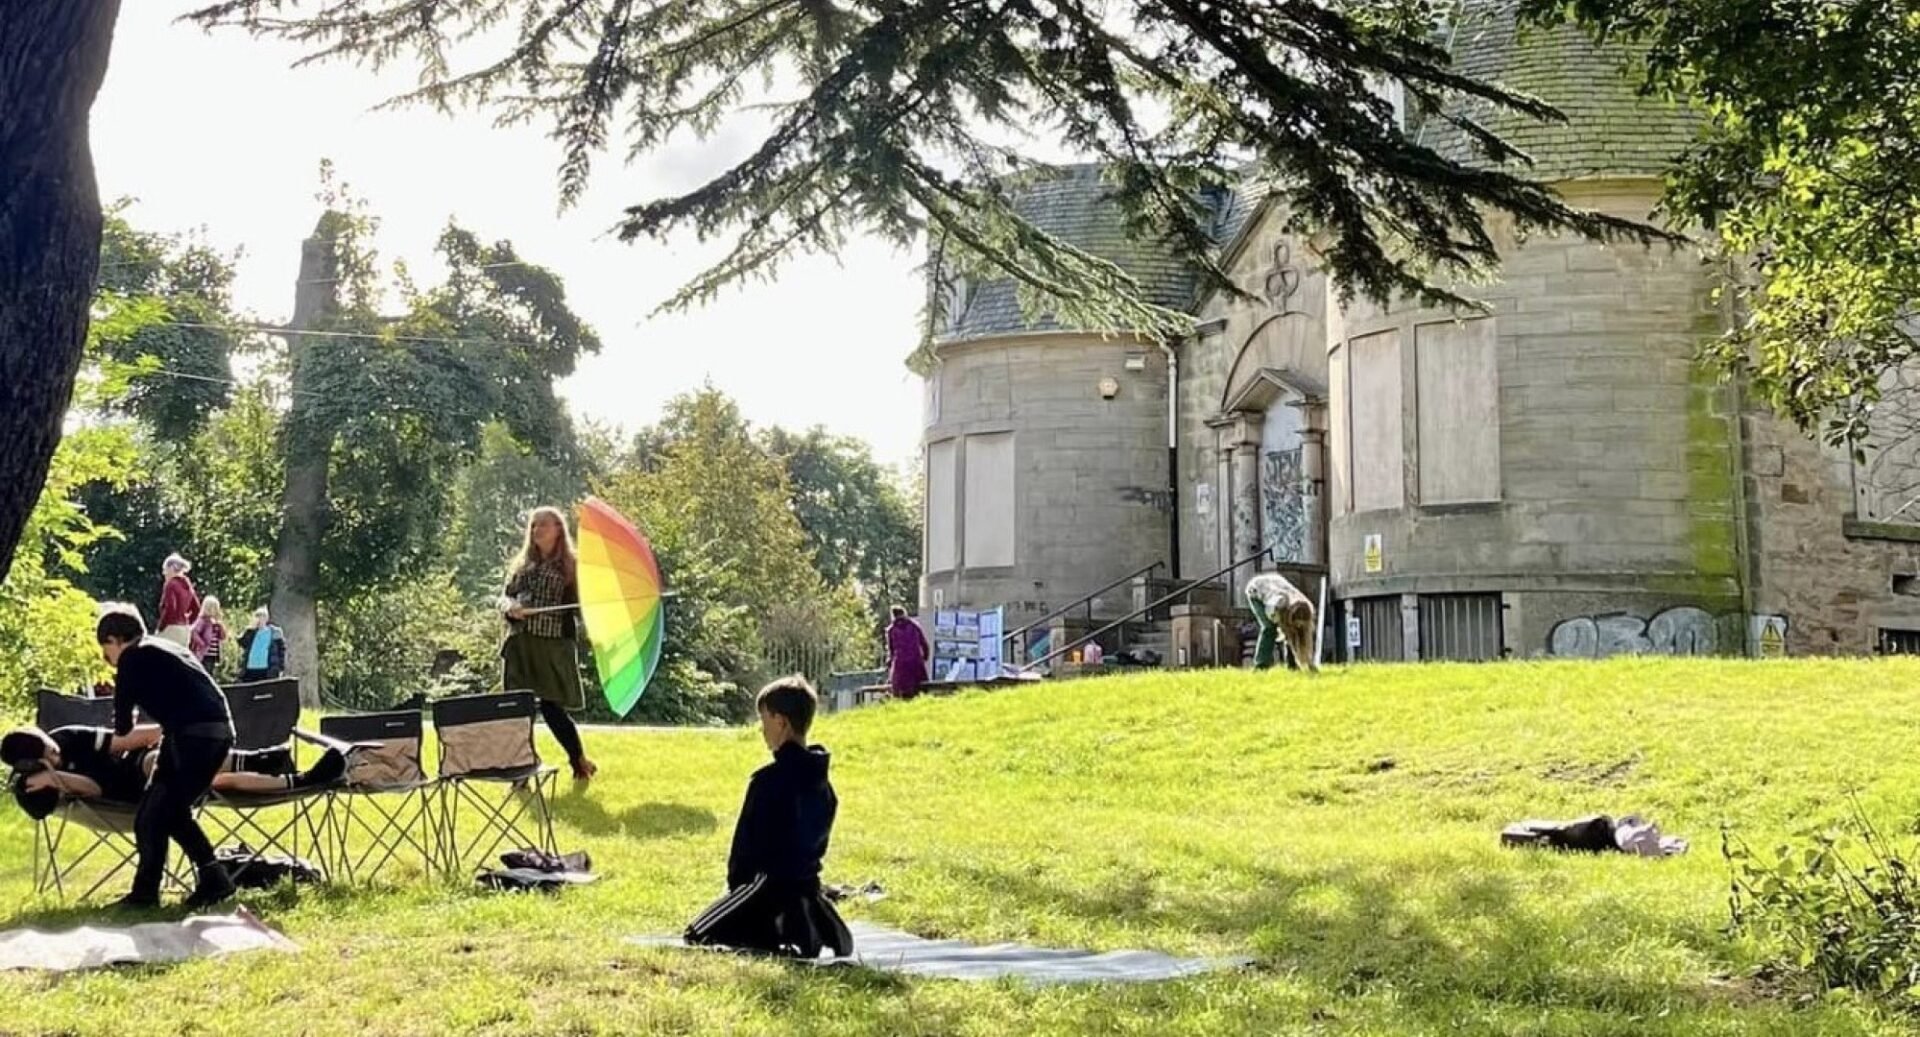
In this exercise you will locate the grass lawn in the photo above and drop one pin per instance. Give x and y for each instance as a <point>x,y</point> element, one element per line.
<point>1341,830</point>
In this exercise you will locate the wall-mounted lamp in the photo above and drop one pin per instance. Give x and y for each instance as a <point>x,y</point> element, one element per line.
<point>1109,388</point>
<point>1137,362</point>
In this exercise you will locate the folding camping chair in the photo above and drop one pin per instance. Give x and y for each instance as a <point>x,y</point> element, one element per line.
<point>385,771</point>
<point>109,824</point>
<point>490,768</point>
<point>264,717</point>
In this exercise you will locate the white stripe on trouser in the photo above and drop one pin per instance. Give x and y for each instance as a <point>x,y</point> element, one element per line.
<point>725,906</point>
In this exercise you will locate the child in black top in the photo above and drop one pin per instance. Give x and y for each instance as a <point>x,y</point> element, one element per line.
<point>774,903</point>
<point>166,684</point>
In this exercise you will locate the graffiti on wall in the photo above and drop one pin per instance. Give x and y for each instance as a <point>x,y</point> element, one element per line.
<point>1677,631</point>
<point>1246,519</point>
<point>1283,505</point>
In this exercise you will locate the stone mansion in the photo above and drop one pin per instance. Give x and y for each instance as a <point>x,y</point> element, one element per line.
<point>1555,476</point>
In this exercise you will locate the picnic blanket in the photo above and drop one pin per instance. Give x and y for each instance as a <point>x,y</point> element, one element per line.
<point>890,950</point>
<point>94,946</point>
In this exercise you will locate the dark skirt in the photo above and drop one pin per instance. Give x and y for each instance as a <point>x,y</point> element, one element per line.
<point>547,666</point>
<point>773,918</point>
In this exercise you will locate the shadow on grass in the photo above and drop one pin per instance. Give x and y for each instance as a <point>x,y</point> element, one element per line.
<point>1355,933</point>
<point>646,821</point>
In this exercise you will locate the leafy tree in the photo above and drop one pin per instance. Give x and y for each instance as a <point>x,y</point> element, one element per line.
<point>859,525</point>
<point>46,622</point>
<point>1808,176</point>
<point>884,116</point>
<point>891,117</point>
<point>494,494</point>
<point>192,347</point>
<point>382,409</point>
<point>378,647</point>
<point>715,506</point>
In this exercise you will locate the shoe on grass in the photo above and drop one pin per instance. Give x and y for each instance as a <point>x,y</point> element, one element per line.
<point>216,886</point>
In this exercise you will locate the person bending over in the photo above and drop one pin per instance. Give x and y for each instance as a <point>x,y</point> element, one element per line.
<point>773,902</point>
<point>167,685</point>
<point>1279,608</point>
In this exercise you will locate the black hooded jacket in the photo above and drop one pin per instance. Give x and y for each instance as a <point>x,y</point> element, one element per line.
<point>786,820</point>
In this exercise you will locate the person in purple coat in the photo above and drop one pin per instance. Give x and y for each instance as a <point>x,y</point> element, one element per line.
<point>907,654</point>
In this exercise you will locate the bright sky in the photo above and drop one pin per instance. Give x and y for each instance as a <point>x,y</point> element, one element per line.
<point>217,132</point>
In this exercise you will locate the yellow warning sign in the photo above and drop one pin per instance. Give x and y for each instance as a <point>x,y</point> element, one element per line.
<point>1773,638</point>
<point>1376,559</point>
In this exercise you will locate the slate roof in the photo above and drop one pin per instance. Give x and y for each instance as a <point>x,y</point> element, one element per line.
<point>1610,129</point>
<point>1077,207</point>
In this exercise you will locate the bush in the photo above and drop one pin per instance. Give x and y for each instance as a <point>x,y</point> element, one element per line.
<point>379,648</point>
<point>1843,908</point>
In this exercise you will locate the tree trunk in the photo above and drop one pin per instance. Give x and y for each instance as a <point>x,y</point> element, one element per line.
<point>303,505</point>
<point>53,57</point>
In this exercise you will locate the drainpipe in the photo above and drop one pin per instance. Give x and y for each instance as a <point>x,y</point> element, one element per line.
<point>1173,458</point>
<point>1747,564</point>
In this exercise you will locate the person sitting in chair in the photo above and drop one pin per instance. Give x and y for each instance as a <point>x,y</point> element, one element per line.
<point>92,763</point>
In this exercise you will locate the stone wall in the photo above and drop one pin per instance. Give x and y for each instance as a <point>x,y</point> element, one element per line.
<point>1617,452</point>
<point>1832,577</point>
<point>1276,330</point>
<point>1090,483</point>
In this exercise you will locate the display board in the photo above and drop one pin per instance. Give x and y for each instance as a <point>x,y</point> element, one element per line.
<point>966,644</point>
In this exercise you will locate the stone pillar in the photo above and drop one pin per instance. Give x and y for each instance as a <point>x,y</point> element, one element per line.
<point>1246,499</point>
<point>1313,476</point>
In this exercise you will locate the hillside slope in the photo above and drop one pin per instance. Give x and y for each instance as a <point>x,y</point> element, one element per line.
<point>1341,829</point>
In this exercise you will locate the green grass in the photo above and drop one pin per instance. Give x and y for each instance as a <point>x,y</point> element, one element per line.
<point>1341,830</point>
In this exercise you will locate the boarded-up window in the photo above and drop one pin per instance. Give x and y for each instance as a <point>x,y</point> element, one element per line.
<point>942,506</point>
<point>1458,382</point>
<point>1886,483</point>
<point>1339,451</point>
<point>989,501</point>
<point>1379,454</point>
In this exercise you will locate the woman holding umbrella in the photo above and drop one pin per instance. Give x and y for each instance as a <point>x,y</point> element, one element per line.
<point>541,605</point>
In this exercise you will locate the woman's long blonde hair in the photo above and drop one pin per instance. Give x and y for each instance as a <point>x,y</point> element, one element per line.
<point>210,608</point>
<point>562,548</point>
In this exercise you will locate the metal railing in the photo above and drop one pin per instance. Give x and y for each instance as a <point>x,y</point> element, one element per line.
<point>1084,599</point>
<point>1185,591</point>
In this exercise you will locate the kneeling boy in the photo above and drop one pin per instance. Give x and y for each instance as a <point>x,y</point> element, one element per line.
<point>774,903</point>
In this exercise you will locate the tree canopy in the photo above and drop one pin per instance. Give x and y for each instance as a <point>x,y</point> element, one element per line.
<point>1808,175</point>
<point>917,118</point>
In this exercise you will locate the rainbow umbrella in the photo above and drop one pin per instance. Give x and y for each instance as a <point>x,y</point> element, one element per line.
<point>620,602</point>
